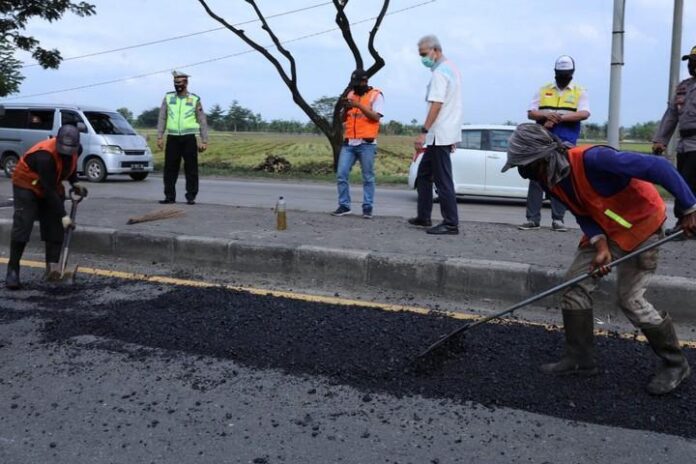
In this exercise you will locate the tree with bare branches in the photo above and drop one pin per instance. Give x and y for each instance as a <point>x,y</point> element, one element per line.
<point>332,129</point>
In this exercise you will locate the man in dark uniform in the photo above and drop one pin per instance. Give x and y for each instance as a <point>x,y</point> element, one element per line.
<point>681,112</point>
<point>37,184</point>
<point>182,116</point>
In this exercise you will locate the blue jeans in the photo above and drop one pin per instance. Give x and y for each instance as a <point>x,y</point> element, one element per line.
<point>365,154</point>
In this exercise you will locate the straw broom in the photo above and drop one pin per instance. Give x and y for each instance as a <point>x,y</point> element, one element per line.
<point>167,213</point>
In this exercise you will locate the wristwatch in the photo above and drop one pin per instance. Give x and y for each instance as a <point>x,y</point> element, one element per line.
<point>424,130</point>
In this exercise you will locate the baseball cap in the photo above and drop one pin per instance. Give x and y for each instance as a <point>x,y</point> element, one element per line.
<point>564,63</point>
<point>691,53</point>
<point>68,139</point>
<point>358,75</point>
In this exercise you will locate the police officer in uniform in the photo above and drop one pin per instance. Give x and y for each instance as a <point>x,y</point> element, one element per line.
<point>681,112</point>
<point>182,116</point>
<point>37,185</point>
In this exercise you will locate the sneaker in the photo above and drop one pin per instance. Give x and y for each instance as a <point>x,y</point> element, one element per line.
<point>341,211</point>
<point>529,225</point>
<point>12,280</point>
<point>167,201</point>
<point>191,202</point>
<point>420,222</point>
<point>367,214</point>
<point>558,226</point>
<point>443,229</point>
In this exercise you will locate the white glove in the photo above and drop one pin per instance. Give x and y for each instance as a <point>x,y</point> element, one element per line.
<point>67,222</point>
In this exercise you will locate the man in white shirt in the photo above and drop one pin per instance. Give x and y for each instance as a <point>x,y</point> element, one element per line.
<point>441,131</point>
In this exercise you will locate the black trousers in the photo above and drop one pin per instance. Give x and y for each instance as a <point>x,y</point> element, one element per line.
<point>181,147</point>
<point>436,167</point>
<point>27,209</point>
<point>686,165</point>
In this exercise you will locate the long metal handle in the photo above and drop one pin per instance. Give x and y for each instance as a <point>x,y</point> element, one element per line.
<point>65,251</point>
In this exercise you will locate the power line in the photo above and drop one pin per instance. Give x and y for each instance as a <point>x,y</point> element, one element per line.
<point>183,36</point>
<point>162,71</point>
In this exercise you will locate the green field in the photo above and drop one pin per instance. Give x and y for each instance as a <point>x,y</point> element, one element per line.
<point>240,154</point>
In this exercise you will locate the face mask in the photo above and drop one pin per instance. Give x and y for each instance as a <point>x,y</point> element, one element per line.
<point>563,79</point>
<point>360,89</point>
<point>427,61</point>
<point>692,67</point>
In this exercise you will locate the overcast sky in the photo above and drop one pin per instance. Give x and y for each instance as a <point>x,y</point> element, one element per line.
<point>505,49</point>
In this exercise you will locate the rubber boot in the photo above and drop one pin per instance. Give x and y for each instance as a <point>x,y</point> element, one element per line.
<point>675,368</point>
<point>579,355</point>
<point>12,278</point>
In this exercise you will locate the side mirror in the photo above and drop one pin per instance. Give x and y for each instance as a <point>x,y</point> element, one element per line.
<point>81,127</point>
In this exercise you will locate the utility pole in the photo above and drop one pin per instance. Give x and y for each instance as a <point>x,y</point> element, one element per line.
<point>617,61</point>
<point>674,62</point>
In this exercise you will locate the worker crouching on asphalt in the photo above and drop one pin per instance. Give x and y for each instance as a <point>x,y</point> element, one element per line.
<point>612,196</point>
<point>37,184</point>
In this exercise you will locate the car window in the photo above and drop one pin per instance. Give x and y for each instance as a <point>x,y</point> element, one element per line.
<point>41,119</point>
<point>471,140</point>
<point>14,119</point>
<point>499,139</point>
<point>109,123</point>
<point>71,117</point>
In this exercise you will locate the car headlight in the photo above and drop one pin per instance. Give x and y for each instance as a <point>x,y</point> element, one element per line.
<point>112,150</point>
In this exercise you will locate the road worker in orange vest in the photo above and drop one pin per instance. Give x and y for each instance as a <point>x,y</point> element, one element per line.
<point>612,196</point>
<point>37,185</point>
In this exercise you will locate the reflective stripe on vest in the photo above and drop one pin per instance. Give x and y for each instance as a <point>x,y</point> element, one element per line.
<point>24,177</point>
<point>181,114</point>
<point>359,126</point>
<point>561,101</point>
<point>629,217</point>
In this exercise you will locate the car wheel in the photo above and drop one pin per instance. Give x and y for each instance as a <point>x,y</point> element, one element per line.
<point>138,175</point>
<point>95,170</point>
<point>9,164</point>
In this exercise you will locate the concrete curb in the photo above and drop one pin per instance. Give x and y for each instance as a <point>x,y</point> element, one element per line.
<point>341,269</point>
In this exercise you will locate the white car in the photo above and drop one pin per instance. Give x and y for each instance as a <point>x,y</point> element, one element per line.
<point>477,161</point>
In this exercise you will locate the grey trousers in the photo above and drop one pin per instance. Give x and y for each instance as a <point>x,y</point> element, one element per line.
<point>535,198</point>
<point>632,277</point>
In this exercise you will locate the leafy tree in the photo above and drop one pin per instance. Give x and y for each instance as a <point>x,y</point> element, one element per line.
<point>239,118</point>
<point>324,106</point>
<point>15,16</point>
<point>216,117</point>
<point>148,118</point>
<point>126,113</point>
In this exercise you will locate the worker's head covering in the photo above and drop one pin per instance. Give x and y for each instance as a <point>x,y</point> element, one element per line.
<point>692,54</point>
<point>178,74</point>
<point>67,140</point>
<point>358,76</point>
<point>531,142</point>
<point>564,63</point>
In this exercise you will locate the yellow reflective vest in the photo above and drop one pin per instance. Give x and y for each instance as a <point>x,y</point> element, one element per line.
<point>181,114</point>
<point>562,101</point>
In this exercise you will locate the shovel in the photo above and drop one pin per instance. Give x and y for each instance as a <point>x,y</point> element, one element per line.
<point>447,344</point>
<point>57,272</point>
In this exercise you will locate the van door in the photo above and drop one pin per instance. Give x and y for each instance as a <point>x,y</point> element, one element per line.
<point>468,163</point>
<point>39,126</point>
<point>504,184</point>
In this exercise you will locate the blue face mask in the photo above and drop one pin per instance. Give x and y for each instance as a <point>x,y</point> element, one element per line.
<point>427,61</point>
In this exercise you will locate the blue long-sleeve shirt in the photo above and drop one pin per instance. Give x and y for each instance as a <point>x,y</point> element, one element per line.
<point>609,171</point>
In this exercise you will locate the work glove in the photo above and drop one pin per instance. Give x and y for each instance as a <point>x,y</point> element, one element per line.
<point>67,222</point>
<point>80,189</point>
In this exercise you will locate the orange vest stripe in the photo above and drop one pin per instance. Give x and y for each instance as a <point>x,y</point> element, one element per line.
<point>628,217</point>
<point>24,177</point>
<point>359,126</point>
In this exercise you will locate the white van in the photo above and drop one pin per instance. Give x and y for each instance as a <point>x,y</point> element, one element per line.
<point>109,143</point>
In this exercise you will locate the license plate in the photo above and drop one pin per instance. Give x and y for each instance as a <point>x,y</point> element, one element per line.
<point>137,167</point>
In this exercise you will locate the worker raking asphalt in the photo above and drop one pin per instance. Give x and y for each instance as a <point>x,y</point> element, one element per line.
<point>365,348</point>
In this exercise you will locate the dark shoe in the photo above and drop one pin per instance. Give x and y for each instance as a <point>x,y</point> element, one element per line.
<point>675,368</point>
<point>341,211</point>
<point>167,201</point>
<point>420,222</point>
<point>367,213</point>
<point>579,356</point>
<point>12,280</point>
<point>558,226</point>
<point>529,225</point>
<point>673,231</point>
<point>190,202</point>
<point>443,229</point>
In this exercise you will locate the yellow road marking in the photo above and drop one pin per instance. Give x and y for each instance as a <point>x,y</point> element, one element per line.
<point>312,298</point>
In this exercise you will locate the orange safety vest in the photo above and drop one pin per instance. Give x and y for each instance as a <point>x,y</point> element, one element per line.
<point>359,126</point>
<point>628,217</point>
<point>24,177</point>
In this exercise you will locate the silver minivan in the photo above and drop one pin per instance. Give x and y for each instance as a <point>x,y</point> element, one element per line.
<point>109,143</point>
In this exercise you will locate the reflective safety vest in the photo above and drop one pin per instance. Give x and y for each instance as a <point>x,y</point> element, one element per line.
<point>628,217</point>
<point>24,177</point>
<point>357,125</point>
<point>181,114</point>
<point>563,102</point>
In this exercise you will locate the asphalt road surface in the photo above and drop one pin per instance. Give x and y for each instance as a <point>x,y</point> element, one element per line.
<point>125,371</point>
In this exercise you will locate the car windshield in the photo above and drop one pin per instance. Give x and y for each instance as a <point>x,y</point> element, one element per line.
<point>109,123</point>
